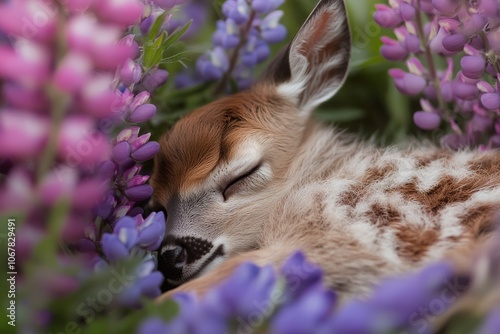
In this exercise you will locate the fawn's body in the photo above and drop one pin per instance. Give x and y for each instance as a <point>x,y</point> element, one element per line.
<point>252,177</point>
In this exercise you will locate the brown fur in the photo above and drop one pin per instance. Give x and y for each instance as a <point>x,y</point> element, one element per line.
<point>360,212</point>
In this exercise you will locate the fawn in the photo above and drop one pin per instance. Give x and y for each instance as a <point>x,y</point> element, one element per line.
<point>252,177</point>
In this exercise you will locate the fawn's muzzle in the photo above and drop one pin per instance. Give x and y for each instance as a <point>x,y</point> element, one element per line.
<point>181,259</point>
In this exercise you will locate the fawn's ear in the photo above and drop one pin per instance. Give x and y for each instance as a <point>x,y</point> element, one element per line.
<point>314,66</point>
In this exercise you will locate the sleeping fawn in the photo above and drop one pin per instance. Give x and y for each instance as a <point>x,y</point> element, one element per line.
<point>253,177</point>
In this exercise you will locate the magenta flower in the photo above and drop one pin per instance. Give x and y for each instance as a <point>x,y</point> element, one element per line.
<point>15,124</point>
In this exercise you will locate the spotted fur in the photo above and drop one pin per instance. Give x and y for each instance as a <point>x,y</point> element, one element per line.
<point>359,211</point>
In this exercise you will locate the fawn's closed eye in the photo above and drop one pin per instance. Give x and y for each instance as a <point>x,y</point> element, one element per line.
<point>238,182</point>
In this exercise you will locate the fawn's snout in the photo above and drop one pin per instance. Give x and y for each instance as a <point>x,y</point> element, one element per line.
<point>182,259</point>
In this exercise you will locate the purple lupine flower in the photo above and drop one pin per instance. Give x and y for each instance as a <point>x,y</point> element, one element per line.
<point>146,151</point>
<point>142,113</point>
<point>310,311</point>
<point>227,34</point>
<point>266,6</point>
<point>249,39</point>
<point>426,120</point>
<point>491,101</point>
<point>408,83</point>
<point>151,230</point>
<point>213,64</point>
<point>393,50</point>
<point>152,325</point>
<point>453,27</point>
<point>446,6</point>
<point>491,323</point>
<point>386,16</point>
<point>272,30</point>
<point>130,73</point>
<point>113,248</point>
<point>237,10</point>
<point>139,193</point>
<point>146,284</point>
<point>154,79</point>
<point>300,275</point>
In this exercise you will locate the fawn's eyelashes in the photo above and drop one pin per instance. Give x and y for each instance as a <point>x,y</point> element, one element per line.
<point>242,180</point>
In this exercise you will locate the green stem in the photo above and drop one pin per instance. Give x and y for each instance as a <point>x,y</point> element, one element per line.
<point>234,56</point>
<point>59,102</point>
<point>430,62</point>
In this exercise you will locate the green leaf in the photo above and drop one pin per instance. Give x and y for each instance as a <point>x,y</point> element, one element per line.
<point>174,37</point>
<point>156,27</point>
<point>175,58</point>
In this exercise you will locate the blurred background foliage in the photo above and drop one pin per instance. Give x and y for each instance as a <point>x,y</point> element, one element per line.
<point>368,103</point>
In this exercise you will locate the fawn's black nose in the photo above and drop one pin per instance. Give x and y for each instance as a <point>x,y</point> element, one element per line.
<point>178,256</point>
<point>171,260</point>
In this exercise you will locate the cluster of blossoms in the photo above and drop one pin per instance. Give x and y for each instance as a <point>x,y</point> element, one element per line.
<point>70,81</point>
<point>256,300</point>
<point>241,41</point>
<point>466,95</point>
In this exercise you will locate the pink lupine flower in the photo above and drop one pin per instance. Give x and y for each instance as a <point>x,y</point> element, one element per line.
<point>15,124</point>
<point>73,72</point>
<point>19,19</point>
<point>80,144</point>
<point>121,12</point>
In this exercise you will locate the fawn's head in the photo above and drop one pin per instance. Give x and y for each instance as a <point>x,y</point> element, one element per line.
<point>219,166</point>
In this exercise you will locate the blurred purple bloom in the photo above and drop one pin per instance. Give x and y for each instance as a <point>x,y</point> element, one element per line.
<point>491,323</point>
<point>113,248</point>
<point>237,10</point>
<point>213,64</point>
<point>153,80</point>
<point>272,31</point>
<point>152,325</point>
<point>426,120</point>
<point>308,313</point>
<point>300,275</point>
<point>265,6</point>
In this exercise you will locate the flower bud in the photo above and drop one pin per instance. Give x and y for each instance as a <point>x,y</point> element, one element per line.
<point>146,152</point>
<point>139,193</point>
<point>473,66</point>
<point>154,80</point>
<point>386,17</point>
<point>447,7</point>
<point>130,73</point>
<point>407,11</point>
<point>113,248</point>
<point>408,83</point>
<point>426,120</point>
<point>392,50</point>
<point>454,43</point>
<point>121,152</point>
<point>464,90</point>
<point>142,113</point>
<point>491,101</point>
<point>265,6</point>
